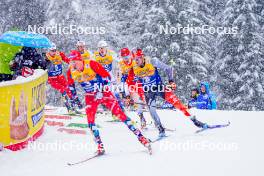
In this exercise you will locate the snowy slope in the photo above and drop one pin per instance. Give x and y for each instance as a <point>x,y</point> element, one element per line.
<point>236,150</point>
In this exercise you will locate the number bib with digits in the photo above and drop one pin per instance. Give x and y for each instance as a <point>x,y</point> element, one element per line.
<point>148,74</point>
<point>55,70</point>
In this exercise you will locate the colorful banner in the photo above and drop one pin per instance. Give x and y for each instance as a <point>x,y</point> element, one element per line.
<point>22,110</point>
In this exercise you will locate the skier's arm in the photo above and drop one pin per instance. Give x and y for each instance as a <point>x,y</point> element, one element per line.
<point>99,69</point>
<point>168,69</point>
<point>64,58</point>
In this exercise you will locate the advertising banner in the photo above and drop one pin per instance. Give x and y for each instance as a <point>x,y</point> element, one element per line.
<point>22,110</point>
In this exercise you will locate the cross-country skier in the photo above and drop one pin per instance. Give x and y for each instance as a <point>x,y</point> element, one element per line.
<point>108,59</point>
<point>80,45</point>
<point>146,71</point>
<point>91,73</point>
<point>127,79</point>
<point>55,77</point>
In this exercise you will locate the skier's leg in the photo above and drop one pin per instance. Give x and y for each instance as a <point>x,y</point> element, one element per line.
<point>174,100</point>
<point>91,108</point>
<point>111,103</point>
<point>66,101</point>
<point>119,100</point>
<point>170,97</point>
<point>120,103</point>
<point>55,83</point>
<point>72,88</point>
<point>64,85</point>
<point>76,99</point>
<point>135,96</point>
<point>151,103</point>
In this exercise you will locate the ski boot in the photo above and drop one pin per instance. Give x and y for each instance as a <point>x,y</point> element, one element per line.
<point>67,103</point>
<point>142,121</point>
<point>100,149</point>
<point>73,109</point>
<point>77,102</point>
<point>97,139</point>
<point>137,132</point>
<point>161,131</point>
<point>198,123</point>
<point>146,143</point>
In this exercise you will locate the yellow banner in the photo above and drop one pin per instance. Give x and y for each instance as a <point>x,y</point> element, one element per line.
<point>22,108</point>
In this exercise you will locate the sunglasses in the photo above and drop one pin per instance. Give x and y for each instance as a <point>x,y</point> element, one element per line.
<point>125,57</point>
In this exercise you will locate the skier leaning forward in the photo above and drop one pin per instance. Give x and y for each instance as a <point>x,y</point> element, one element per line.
<point>56,79</point>
<point>127,79</point>
<point>90,73</point>
<point>146,71</point>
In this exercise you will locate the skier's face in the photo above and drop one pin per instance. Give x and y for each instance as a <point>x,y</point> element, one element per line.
<point>203,90</point>
<point>52,52</point>
<point>81,48</point>
<point>78,65</point>
<point>102,51</point>
<point>194,93</point>
<point>139,60</point>
<point>126,58</point>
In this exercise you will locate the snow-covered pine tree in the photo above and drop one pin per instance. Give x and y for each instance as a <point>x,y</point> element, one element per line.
<point>240,62</point>
<point>127,21</point>
<point>197,50</point>
<point>189,53</point>
<point>20,14</point>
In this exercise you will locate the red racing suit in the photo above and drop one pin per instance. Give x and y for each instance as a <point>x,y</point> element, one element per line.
<point>92,74</point>
<point>89,78</point>
<point>56,78</point>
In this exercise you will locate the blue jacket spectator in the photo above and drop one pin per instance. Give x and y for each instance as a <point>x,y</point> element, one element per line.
<point>206,99</point>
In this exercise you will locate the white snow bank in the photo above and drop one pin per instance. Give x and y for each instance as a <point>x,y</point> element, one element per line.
<point>20,80</point>
<point>236,150</point>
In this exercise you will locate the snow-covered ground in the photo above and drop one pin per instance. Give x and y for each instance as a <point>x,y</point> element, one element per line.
<point>236,150</point>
